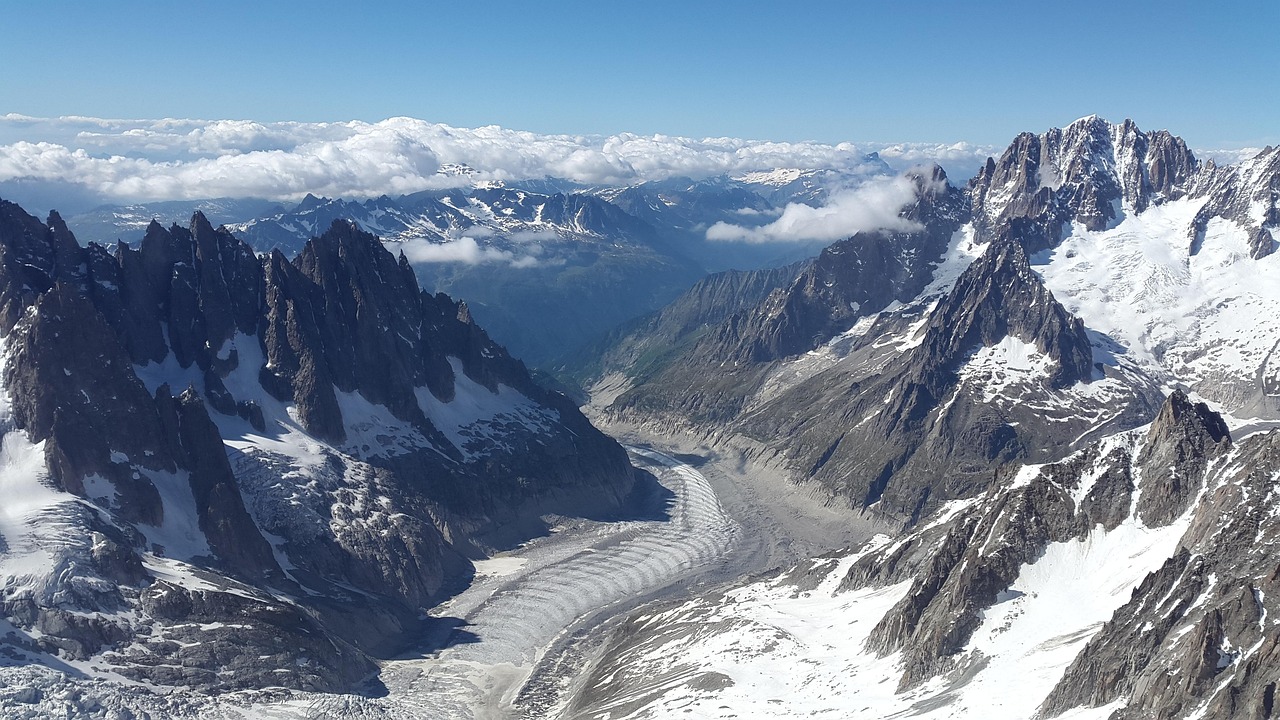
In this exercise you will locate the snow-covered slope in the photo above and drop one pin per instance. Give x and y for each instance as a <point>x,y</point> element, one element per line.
<point>979,612</point>
<point>1207,318</point>
<point>1074,566</point>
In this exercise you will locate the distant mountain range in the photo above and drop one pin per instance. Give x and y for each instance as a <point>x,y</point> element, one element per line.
<point>519,253</point>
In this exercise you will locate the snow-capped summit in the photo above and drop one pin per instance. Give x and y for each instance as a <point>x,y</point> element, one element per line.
<point>1090,172</point>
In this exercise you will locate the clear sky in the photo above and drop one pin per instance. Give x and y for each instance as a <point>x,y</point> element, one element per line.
<point>823,71</point>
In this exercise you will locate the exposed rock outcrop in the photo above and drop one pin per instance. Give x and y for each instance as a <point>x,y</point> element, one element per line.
<point>850,279</point>
<point>960,568</point>
<point>1082,173</point>
<point>304,450</point>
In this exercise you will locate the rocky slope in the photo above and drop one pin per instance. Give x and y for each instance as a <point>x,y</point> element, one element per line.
<point>1123,229</point>
<point>1131,579</point>
<point>646,344</point>
<point>1050,413</point>
<point>712,379</point>
<point>234,471</point>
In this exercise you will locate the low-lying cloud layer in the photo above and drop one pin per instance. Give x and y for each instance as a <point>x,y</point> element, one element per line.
<point>873,205</point>
<point>144,160</point>
<point>466,250</point>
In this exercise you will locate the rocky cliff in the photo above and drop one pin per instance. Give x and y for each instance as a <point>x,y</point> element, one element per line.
<point>295,455</point>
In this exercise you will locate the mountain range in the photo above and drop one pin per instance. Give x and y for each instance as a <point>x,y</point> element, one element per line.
<point>1058,387</point>
<point>1048,392</point>
<point>593,257</point>
<point>284,459</point>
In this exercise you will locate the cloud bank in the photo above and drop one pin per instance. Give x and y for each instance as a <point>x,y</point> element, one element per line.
<point>873,205</point>
<point>466,250</point>
<point>145,160</point>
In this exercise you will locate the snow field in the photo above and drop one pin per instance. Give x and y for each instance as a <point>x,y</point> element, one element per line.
<point>1210,320</point>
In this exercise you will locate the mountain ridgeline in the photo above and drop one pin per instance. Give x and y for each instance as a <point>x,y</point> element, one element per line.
<point>304,450</point>
<point>1056,387</point>
<point>524,251</point>
<point>871,360</point>
<point>1061,386</point>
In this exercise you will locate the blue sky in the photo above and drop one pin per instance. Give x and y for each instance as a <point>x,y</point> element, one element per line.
<point>823,71</point>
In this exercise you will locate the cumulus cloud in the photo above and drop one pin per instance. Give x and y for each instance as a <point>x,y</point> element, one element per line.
<point>961,160</point>
<point>874,205</point>
<point>169,159</point>
<point>140,160</point>
<point>465,250</point>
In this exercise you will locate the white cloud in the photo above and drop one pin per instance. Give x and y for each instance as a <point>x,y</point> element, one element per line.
<point>874,205</point>
<point>1228,157</point>
<point>465,250</point>
<point>752,212</point>
<point>961,160</point>
<point>135,160</point>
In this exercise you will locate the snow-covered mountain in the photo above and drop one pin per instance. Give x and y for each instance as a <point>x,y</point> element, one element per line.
<point>230,471</point>
<point>1087,588</point>
<point>1066,397</point>
<point>1157,258</point>
<point>1052,390</point>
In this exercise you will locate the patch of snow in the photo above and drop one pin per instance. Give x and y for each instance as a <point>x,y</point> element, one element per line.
<point>963,249</point>
<point>179,535</point>
<point>997,368</point>
<point>499,566</point>
<point>475,415</point>
<point>372,431</point>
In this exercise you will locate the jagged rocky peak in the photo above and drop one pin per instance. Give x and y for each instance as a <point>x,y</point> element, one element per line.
<point>306,449</point>
<point>1248,194</point>
<point>35,256</point>
<point>1183,439</point>
<point>1000,295</point>
<point>963,566</point>
<point>348,316</point>
<point>1194,638</point>
<point>851,278</point>
<point>1084,173</point>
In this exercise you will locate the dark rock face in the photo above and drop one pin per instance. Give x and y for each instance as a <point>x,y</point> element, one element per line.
<point>643,346</point>
<point>1183,440</point>
<point>87,405</point>
<point>1247,194</point>
<point>1196,637</point>
<point>136,368</point>
<point>232,535</point>
<point>912,435</point>
<point>850,279</point>
<point>998,296</point>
